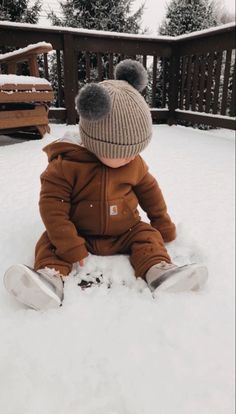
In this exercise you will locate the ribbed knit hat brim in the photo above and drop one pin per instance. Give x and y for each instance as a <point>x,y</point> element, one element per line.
<point>125,131</point>
<point>110,150</point>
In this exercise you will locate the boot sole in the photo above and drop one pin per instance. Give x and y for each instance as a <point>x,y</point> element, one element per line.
<point>186,279</point>
<point>23,283</point>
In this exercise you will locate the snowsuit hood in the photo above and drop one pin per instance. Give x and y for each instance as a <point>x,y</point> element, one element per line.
<point>68,151</point>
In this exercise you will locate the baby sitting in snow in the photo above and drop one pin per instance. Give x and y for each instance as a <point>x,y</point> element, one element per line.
<point>90,194</point>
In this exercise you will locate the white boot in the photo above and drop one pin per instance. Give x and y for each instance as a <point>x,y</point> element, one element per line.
<point>39,290</point>
<point>171,278</point>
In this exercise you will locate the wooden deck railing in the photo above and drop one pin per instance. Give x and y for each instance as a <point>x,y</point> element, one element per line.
<point>191,78</point>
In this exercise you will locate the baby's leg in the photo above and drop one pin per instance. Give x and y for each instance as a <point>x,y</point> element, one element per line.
<point>45,256</point>
<point>151,261</point>
<point>145,246</point>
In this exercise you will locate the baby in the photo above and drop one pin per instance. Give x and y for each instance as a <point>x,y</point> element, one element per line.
<point>90,194</point>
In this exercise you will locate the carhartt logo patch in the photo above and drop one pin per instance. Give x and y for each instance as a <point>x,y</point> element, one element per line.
<point>113,210</point>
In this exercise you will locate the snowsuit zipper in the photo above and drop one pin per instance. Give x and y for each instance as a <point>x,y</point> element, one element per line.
<point>104,215</point>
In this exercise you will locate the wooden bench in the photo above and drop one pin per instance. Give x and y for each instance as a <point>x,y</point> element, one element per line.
<point>24,100</point>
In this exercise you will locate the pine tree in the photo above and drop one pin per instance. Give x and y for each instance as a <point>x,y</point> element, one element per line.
<point>20,11</point>
<point>112,15</point>
<point>186,16</point>
<point>182,17</point>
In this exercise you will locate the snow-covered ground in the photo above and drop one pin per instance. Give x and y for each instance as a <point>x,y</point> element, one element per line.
<point>119,350</point>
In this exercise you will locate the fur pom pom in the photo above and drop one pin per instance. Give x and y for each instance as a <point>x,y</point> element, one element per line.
<point>93,102</point>
<point>133,72</point>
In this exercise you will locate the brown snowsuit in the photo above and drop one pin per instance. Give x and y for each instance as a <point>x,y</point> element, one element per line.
<point>89,207</point>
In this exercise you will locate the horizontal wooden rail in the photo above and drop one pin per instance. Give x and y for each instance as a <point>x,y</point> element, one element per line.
<point>191,77</point>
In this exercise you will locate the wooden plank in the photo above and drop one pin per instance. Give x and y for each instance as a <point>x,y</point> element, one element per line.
<point>87,66</point>
<point>204,34</point>
<point>25,87</point>
<point>43,129</point>
<point>48,32</point>
<point>173,90</point>
<point>183,79</point>
<point>26,97</point>
<point>100,67</point>
<point>202,45</point>
<point>38,111</point>
<point>59,76</point>
<point>26,132</point>
<point>220,122</point>
<point>195,82</point>
<point>164,77</point>
<point>226,82</point>
<point>217,82</point>
<point>58,114</point>
<point>233,96</point>
<point>159,114</point>
<point>145,61</point>
<point>210,63</point>
<point>19,35</point>
<point>125,46</point>
<point>189,81</point>
<point>45,61</point>
<point>21,118</point>
<point>33,66</point>
<point>11,68</point>
<point>70,77</point>
<point>25,54</point>
<point>154,81</point>
<point>25,120</point>
<point>111,68</point>
<point>202,83</point>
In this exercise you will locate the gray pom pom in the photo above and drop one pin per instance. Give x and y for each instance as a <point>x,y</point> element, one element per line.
<point>93,102</point>
<point>133,72</point>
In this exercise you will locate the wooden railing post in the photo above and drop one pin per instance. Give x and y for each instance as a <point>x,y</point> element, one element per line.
<point>70,78</point>
<point>173,87</point>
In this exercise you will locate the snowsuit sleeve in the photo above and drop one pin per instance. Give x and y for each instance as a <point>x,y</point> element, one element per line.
<point>54,205</point>
<point>152,202</point>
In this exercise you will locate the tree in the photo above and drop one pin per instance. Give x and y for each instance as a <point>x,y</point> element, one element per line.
<point>20,11</point>
<point>182,17</point>
<point>186,16</point>
<point>112,15</point>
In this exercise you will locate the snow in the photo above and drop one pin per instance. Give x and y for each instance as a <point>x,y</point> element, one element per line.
<point>121,350</point>
<point>86,32</point>
<point>205,31</point>
<point>20,79</point>
<point>218,116</point>
<point>116,34</point>
<point>24,49</point>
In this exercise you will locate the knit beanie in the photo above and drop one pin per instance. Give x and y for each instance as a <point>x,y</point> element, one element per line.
<point>115,120</point>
